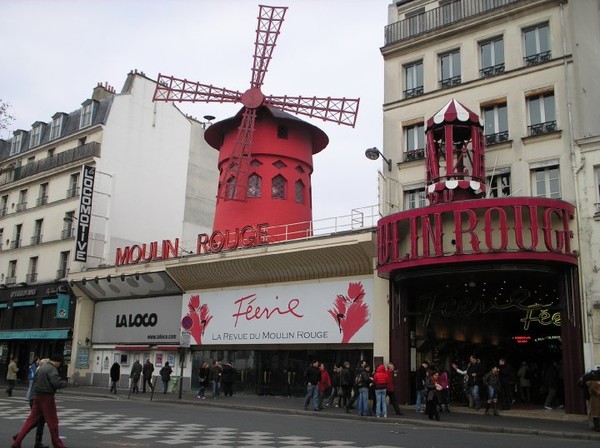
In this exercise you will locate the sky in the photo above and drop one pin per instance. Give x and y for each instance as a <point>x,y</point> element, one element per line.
<point>54,52</point>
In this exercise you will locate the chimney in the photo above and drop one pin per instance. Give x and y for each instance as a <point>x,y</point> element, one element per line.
<point>102,91</point>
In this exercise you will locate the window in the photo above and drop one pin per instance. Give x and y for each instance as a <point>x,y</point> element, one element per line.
<point>67,231</point>
<point>16,242</point>
<point>51,152</point>
<point>56,127</point>
<point>279,165</point>
<point>36,136</point>
<point>450,69</point>
<point>17,142</point>
<point>37,232</point>
<point>230,187</point>
<point>4,205</point>
<point>597,204</point>
<point>22,204</point>
<point>11,276</point>
<point>498,185</point>
<point>73,186</point>
<point>415,198</point>
<point>63,265</point>
<point>32,276</point>
<point>536,42</point>
<point>254,186</point>
<point>1,237</point>
<point>542,114</point>
<point>278,187</point>
<point>495,127</point>
<point>299,189</point>
<point>42,195</point>
<point>86,114</point>
<point>413,78</point>
<point>492,57</point>
<point>414,142</point>
<point>546,182</point>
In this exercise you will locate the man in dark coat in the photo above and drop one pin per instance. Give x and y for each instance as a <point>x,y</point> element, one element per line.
<point>147,371</point>
<point>136,373</point>
<point>312,376</point>
<point>115,376</point>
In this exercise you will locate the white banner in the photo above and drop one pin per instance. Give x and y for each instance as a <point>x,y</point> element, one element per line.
<point>331,312</point>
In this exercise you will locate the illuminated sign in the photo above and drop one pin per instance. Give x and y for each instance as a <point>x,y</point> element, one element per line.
<point>85,213</point>
<point>521,339</point>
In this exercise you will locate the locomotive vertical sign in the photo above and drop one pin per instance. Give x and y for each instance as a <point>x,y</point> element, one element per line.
<point>85,213</point>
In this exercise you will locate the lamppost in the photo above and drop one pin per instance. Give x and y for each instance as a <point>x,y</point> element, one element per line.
<point>374,153</point>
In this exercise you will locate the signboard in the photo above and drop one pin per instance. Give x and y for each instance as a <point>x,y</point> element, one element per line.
<point>315,313</point>
<point>83,357</point>
<point>85,213</point>
<point>138,321</point>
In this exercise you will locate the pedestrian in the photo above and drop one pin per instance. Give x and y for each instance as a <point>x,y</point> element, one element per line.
<point>30,377</point>
<point>381,379</point>
<point>216,372</point>
<point>227,379</point>
<point>324,384</point>
<point>354,377</point>
<point>525,375</point>
<point>473,376</point>
<point>363,381</point>
<point>11,376</point>
<point>336,389</point>
<point>550,383</point>
<point>391,388</point>
<point>491,380</point>
<point>432,388</point>
<point>147,371</point>
<point>421,377</point>
<point>507,384</point>
<point>312,376</point>
<point>135,375</point>
<point>39,429</point>
<point>590,382</point>
<point>115,376</point>
<point>165,375</point>
<point>203,374</point>
<point>345,384</point>
<point>45,384</point>
<point>444,395</point>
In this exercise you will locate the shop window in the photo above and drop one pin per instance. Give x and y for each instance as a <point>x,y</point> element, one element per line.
<point>49,319</point>
<point>24,315</point>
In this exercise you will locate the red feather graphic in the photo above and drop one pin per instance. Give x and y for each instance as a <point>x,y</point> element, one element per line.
<point>350,312</point>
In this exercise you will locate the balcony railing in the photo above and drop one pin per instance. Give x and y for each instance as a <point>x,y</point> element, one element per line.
<point>414,154</point>
<point>15,244</point>
<point>410,93</point>
<point>72,192</point>
<point>10,280</point>
<point>542,128</point>
<point>3,211</point>
<point>440,17</point>
<point>31,278</point>
<point>42,200</point>
<point>493,70</point>
<point>449,82</point>
<point>597,212</point>
<point>61,273</point>
<point>498,137</point>
<point>72,155</point>
<point>67,233</point>
<point>538,58</point>
<point>36,239</point>
<point>21,206</point>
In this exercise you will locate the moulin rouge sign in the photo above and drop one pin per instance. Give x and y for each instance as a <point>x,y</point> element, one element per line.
<point>484,229</point>
<point>248,236</point>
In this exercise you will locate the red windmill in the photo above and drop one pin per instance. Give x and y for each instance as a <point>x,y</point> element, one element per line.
<point>262,145</point>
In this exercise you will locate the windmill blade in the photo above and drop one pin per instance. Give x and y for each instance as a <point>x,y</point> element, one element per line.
<point>233,185</point>
<point>169,88</point>
<point>339,110</point>
<point>270,19</point>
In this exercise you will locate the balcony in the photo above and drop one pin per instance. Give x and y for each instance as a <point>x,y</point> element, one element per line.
<point>449,82</point>
<point>542,128</point>
<point>494,139</point>
<point>42,200</point>
<point>15,244</point>
<point>62,273</point>
<point>10,281</point>
<point>538,58</point>
<point>414,154</point>
<point>36,239</point>
<point>31,278</point>
<point>410,93</point>
<point>597,212</point>
<point>441,17</point>
<point>3,212</point>
<point>72,192</point>
<point>22,206</point>
<point>488,72</point>
<point>67,233</point>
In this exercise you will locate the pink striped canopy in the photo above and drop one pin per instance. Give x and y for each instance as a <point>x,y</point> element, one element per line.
<point>454,112</point>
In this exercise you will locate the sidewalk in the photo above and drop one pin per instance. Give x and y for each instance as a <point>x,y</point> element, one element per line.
<point>531,421</point>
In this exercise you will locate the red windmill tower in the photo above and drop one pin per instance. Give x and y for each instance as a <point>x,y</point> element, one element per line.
<point>265,154</point>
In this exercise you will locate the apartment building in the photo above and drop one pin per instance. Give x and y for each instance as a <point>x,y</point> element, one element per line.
<point>119,170</point>
<point>527,69</point>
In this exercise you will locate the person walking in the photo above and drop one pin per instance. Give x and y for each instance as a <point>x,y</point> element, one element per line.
<point>30,377</point>
<point>203,374</point>
<point>165,375</point>
<point>147,371</point>
<point>421,377</point>
<point>507,384</point>
<point>336,390</point>
<point>381,379</point>
<point>550,383</point>
<point>39,429</point>
<point>115,376</point>
<point>45,384</point>
<point>227,379</point>
<point>324,384</point>
<point>354,379</point>
<point>432,388</point>
<point>11,376</point>
<point>525,375</point>
<point>216,373</point>
<point>391,389</point>
<point>444,395</point>
<point>312,375</point>
<point>491,380</point>
<point>345,384</point>
<point>135,375</point>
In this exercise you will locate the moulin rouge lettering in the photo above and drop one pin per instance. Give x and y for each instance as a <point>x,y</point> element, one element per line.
<point>249,311</point>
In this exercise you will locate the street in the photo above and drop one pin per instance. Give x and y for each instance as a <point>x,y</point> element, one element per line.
<point>90,422</point>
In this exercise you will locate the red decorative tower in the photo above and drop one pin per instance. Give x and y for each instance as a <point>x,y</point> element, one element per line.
<point>265,159</point>
<point>454,155</point>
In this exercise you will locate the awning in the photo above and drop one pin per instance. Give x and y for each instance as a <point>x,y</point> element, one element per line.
<point>132,348</point>
<point>34,334</point>
<point>166,348</point>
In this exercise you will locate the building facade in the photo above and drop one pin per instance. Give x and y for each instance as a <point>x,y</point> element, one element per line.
<point>524,67</point>
<point>75,188</point>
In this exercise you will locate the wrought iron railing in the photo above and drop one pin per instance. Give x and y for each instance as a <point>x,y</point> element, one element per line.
<point>36,239</point>
<point>449,82</point>
<point>414,154</point>
<point>542,128</point>
<point>537,58</point>
<point>498,137</point>
<point>492,70</point>
<point>410,93</point>
<point>31,278</point>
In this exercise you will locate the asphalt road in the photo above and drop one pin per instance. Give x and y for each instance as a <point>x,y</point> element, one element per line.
<point>97,422</point>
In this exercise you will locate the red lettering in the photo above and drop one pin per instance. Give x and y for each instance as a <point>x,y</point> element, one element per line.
<point>255,312</point>
<point>533,227</point>
<point>458,230</point>
<point>202,244</point>
<point>432,234</point>
<point>489,230</point>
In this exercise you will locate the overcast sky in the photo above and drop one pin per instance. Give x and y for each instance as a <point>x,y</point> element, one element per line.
<point>55,51</point>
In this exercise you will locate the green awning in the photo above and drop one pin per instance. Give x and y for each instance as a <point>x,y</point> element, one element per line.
<point>34,334</point>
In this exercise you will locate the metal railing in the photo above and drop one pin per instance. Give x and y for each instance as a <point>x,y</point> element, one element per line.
<point>31,278</point>
<point>449,82</point>
<point>36,239</point>
<point>538,58</point>
<point>414,154</point>
<point>416,91</point>
<point>66,233</point>
<point>493,70</point>
<point>542,128</point>
<point>498,137</point>
<point>42,200</point>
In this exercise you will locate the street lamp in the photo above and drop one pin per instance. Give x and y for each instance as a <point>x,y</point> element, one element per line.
<point>374,153</point>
